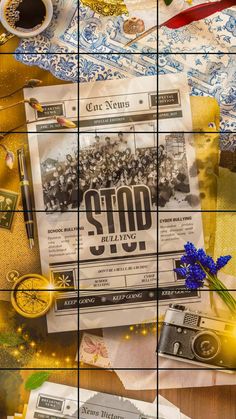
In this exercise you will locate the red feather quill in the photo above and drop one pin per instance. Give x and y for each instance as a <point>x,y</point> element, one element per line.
<point>198,12</point>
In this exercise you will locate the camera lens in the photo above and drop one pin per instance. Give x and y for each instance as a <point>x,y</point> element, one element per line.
<point>206,345</point>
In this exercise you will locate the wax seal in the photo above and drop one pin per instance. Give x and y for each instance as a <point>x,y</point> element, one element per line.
<point>133,26</point>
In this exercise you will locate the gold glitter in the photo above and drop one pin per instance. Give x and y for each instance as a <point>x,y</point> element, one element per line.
<point>107,7</point>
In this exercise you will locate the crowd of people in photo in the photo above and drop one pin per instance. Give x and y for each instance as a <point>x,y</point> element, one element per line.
<point>110,162</point>
<point>173,179</point>
<point>60,184</point>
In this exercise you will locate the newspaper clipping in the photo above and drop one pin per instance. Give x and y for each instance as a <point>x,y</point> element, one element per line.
<point>118,205</point>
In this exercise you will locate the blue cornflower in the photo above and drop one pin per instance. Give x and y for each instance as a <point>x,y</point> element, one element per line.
<point>198,267</point>
<point>201,256</point>
<point>195,272</point>
<point>206,261</point>
<point>193,285</point>
<point>181,271</point>
<point>191,253</point>
<point>222,261</point>
<point>194,275</point>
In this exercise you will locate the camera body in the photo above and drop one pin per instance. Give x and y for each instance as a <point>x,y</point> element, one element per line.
<point>198,338</point>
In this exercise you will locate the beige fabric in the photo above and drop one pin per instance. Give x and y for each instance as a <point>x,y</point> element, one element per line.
<point>226,221</point>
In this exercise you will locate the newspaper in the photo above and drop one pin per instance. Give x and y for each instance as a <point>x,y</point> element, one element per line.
<point>117,203</point>
<point>53,401</point>
<point>54,165</point>
<point>101,405</point>
<point>178,192</point>
<point>174,111</point>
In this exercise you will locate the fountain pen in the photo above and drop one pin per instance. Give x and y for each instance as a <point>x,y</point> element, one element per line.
<point>26,197</point>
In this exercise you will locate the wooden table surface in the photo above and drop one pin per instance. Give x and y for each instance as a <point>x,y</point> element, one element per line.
<point>109,382</point>
<point>218,402</point>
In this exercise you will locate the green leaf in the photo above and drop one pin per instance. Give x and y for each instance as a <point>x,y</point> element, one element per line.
<point>10,339</point>
<point>168,2</point>
<point>36,380</point>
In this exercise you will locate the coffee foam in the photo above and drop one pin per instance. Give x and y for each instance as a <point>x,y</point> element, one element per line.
<point>13,16</point>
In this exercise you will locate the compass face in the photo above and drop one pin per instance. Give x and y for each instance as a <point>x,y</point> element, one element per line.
<point>31,296</point>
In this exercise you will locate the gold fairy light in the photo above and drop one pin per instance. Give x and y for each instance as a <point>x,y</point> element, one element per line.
<point>143,329</point>
<point>28,352</point>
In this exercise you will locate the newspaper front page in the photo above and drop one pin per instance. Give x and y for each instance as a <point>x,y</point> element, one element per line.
<point>179,206</point>
<point>117,202</point>
<point>54,166</point>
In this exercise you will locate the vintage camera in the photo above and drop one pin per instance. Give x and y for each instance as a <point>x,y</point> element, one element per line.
<point>197,338</point>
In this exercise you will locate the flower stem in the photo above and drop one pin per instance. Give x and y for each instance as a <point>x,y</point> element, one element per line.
<point>12,93</point>
<point>12,105</point>
<point>21,125</point>
<point>213,303</point>
<point>217,285</point>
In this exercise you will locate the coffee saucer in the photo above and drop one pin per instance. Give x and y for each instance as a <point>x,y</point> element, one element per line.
<point>56,48</point>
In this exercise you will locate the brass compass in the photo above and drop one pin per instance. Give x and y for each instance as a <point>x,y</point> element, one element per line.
<point>31,294</point>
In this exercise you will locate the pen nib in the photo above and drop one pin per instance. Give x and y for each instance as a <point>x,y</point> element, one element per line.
<point>31,243</point>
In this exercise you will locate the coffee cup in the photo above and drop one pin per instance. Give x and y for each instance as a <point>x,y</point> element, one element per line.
<point>25,18</point>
